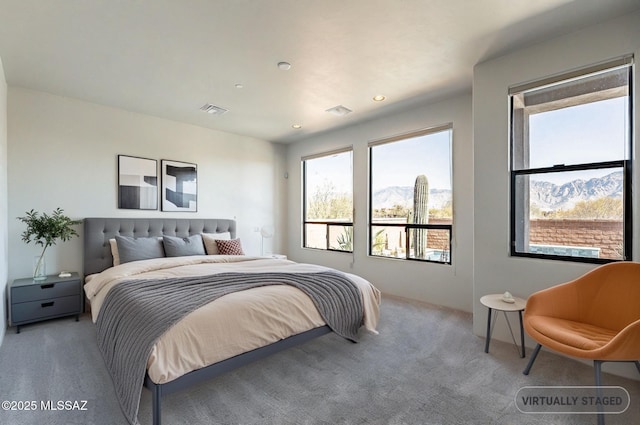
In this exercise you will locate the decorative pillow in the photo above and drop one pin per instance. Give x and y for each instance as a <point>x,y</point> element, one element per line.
<point>135,249</point>
<point>179,247</point>
<point>210,241</point>
<point>229,247</point>
<point>114,251</point>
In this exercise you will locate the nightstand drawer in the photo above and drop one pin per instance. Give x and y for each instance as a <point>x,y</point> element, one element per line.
<point>44,291</point>
<point>41,309</point>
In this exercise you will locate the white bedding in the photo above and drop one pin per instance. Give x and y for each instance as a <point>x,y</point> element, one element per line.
<point>233,324</point>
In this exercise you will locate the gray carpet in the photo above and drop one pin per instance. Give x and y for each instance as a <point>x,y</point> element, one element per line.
<point>425,367</point>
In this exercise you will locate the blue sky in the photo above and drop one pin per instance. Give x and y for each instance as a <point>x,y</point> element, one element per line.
<point>395,164</point>
<point>399,163</point>
<point>336,169</point>
<point>591,132</point>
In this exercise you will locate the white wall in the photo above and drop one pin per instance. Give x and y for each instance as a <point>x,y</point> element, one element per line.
<point>4,259</point>
<point>63,153</point>
<point>495,271</point>
<point>435,283</point>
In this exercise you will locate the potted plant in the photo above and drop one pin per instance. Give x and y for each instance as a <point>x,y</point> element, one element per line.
<point>45,230</point>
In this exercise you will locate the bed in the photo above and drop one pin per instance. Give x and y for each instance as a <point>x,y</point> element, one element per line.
<point>271,305</point>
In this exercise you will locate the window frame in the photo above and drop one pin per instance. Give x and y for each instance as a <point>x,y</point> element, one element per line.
<point>625,164</point>
<point>408,226</point>
<point>328,224</point>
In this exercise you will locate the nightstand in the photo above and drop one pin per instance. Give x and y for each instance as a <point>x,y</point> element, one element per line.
<point>495,303</point>
<point>36,300</point>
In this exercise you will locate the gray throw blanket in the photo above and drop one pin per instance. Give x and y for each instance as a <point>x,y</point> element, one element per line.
<point>136,313</point>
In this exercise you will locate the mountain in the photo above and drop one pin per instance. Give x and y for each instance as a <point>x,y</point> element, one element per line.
<point>403,196</point>
<point>545,195</point>
<point>551,196</point>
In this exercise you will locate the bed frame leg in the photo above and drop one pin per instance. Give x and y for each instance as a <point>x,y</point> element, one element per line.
<point>156,395</point>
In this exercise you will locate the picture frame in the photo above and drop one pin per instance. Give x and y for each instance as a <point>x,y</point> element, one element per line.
<point>179,186</point>
<point>137,183</point>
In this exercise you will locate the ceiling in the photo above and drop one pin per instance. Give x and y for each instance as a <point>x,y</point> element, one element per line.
<point>168,58</point>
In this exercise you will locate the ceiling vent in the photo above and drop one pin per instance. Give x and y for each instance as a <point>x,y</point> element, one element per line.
<point>213,109</point>
<point>339,110</point>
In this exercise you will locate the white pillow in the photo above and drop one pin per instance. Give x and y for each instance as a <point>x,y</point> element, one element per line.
<point>209,240</point>
<point>114,252</point>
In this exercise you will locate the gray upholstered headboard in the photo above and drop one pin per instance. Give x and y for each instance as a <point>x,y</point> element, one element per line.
<point>97,232</point>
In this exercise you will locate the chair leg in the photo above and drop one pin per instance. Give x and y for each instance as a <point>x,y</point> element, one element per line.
<point>532,359</point>
<point>597,367</point>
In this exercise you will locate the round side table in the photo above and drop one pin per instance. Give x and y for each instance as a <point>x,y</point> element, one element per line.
<point>495,303</point>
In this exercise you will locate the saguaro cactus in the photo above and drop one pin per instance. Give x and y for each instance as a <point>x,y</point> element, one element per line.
<point>420,214</point>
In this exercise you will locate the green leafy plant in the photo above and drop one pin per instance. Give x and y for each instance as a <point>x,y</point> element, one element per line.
<point>378,242</point>
<point>45,230</point>
<point>345,239</point>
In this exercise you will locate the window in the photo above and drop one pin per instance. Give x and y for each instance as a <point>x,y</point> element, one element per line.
<point>570,166</point>
<point>328,201</point>
<point>411,208</point>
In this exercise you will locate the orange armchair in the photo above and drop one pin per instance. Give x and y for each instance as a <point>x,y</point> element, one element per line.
<point>596,316</point>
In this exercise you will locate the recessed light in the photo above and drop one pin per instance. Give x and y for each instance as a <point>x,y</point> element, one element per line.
<point>239,86</point>
<point>296,126</point>
<point>285,66</point>
<point>379,98</point>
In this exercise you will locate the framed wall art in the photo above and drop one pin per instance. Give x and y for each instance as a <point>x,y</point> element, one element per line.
<point>137,183</point>
<point>179,186</point>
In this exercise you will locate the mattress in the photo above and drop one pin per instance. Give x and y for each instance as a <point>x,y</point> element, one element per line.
<point>233,324</point>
